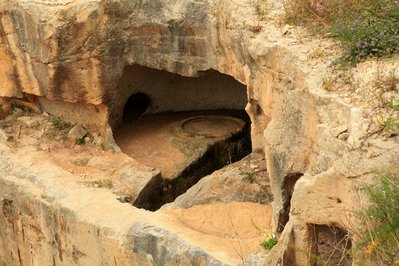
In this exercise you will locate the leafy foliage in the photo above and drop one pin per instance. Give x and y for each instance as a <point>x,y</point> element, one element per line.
<point>365,28</point>
<point>58,123</point>
<point>80,141</point>
<point>269,244</point>
<point>381,219</point>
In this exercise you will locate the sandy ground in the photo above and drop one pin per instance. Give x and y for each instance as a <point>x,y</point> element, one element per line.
<point>236,228</point>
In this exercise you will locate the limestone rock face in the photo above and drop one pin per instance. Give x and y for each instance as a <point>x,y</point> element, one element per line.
<point>76,51</point>
<point>51,229</point>
<point>47,217</point>
<point>243,181</point>
<point>68,57</point>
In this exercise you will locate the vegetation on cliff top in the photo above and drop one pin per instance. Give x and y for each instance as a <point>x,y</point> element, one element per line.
<point>365,28</point>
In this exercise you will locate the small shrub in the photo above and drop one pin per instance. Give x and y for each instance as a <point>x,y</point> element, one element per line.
<point>80,141</point>
<point>59,124</point>
<point>380,237</point>
<point>56,121</point>
<point>250,176</point>
<point>365,28</point>
<point>391,124</point>
<point>270,243</point>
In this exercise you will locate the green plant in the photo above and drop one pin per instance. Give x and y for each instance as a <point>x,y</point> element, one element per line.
<point>270,243</point>
<point>250,176</point>
<point>59,124</point>
<point>80,141</point>
<point>365,28</point>
<point>56,121</point>
<point>391,124</point>
<point>380,235</point>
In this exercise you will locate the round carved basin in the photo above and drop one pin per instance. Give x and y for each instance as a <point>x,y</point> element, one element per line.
<point>212,126</point>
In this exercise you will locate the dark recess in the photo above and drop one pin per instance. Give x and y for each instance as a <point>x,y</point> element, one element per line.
<point>287,191</point>
<point>330,245</point>
<point>135,107</point>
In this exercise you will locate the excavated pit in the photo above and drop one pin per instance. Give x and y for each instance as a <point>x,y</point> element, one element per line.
<point>185,127</point>
<point>184,146</point>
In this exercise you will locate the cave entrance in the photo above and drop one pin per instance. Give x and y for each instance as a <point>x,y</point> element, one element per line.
<point>186,127</point>
<point>135,106</point>
<point>331,245</point>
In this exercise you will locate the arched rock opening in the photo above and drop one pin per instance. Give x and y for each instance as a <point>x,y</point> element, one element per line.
<point>170,92</point>
<point>186,127</point>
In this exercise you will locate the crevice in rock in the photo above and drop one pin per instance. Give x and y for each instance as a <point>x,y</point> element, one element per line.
<point>287,191</point>
<point>161,191</point>
<point>330,245</point>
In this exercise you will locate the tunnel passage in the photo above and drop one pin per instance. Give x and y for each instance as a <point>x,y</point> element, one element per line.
<point>135,106</point>
<point>186,127</point>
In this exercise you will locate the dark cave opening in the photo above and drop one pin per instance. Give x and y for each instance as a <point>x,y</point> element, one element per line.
<point>135,106</point>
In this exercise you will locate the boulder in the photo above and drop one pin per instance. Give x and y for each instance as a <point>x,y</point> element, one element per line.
<point>244,181</point>
<point>77,132</point>
<point>29,121</point>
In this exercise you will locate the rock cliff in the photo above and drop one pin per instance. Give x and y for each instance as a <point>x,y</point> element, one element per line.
<point>68,58</point>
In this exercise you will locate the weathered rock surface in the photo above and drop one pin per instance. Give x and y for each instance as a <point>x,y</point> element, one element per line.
<point>243,181</point>
<point>77,132</point>
<point>63,223</point>
<point>56,205</point>
<point>76,52</point>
